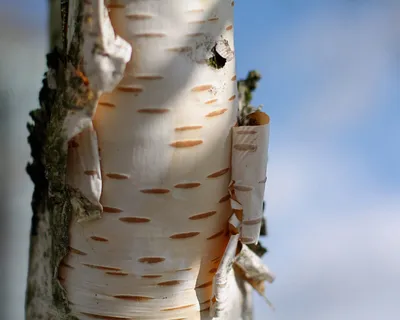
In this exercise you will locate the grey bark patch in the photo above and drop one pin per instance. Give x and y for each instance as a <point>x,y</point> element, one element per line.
<point>51,200</point>
<point>45,298</point>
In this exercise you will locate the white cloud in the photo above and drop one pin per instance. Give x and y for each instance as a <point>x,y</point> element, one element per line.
<point>305,174</point>
<point>337,265</point>
<point>334,233</point>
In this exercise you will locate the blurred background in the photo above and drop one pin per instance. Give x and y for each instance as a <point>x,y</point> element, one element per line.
<point>331,84</point>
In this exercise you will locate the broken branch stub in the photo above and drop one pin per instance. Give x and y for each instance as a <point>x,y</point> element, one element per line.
<point>221,282</point>
<point>254,271</point>
<point>221,54</point>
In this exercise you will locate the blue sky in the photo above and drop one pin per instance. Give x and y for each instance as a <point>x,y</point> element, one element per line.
<point>332,88</point>
<point>331,84</point>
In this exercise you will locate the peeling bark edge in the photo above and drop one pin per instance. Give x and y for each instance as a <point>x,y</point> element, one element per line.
<point>51,206</point>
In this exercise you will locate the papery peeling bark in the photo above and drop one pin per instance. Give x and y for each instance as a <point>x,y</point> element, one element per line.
<point>84,172</point>
<point>105,56</point>
<point>105,53</point>
<point>249,169</point>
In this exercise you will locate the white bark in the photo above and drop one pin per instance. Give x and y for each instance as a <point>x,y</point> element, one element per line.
<point>155,157</point>
<point>165,142</point>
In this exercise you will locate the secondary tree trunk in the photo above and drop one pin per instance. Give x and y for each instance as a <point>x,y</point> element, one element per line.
<point>131,212</point>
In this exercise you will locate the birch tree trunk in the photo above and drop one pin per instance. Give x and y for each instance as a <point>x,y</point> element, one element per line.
<point>131,201</point>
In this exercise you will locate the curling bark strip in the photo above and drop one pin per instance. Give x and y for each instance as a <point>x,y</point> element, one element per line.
<point>249,150</point>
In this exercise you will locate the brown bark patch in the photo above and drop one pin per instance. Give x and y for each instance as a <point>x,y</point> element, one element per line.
<point>211,101</point>
<point>100,267</point>
<point>90,172</point>
<point>149,77</point>
<point>132,298</point>
<point>130,89</point>
<point>107,104</point>
<point>73,144</point>
<point>170,283</point>
<point>153,110</point>
<point>186,269</point>
<point>230,27</point>
<point>155,191</point>
<point>213,270</point>
<point>179,308</point>
<point>217,259</point>
<point>184,235</point>
<point>232,98</point>
<point>216,235</point>
<point>111,209</point>
<point>189,185</point>
<point>203,215</point>
<point>204,87</point>
<point>100,239</point>
<point>218,173</point>
<point>216,113</point>
<point>205,302</point>
<point>150,35</point>
<point>134,219</point>
<point>151,276</point>
<point>114,5</point>
<point>186,128</point>
<point>116,273</point>
<point>224,198</point>
<point>135,16</point>
<point>76,251</point>
<point>213,19</point>
<point>117,176</point>
<point>186,143</point>
<point>204,285</point>
<point>151,260</point>
<point>197,22</point>
<point>234,78</point>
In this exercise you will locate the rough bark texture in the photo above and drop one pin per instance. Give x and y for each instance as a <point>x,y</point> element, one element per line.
<point>51,201</point>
